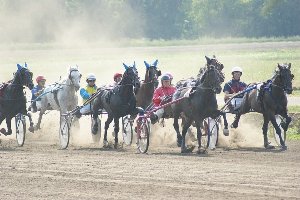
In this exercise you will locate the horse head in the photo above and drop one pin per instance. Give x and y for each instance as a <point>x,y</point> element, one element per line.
<point>23,76</point>
<point>152,73</point>
<point>212,79</point>
<point>130,76</point>
<point>75,77</point>
<point>219,66</point>
<point>285,77</point>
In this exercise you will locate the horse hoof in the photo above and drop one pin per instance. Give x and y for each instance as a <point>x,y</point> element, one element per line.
<point>3,131</point>
<point>283,148</point>
<point>31,129</point>
<point>226,132</point>
<point>201,151</point>
<point>268,146</point>
<point>187,150</point>
<point>105,144</point>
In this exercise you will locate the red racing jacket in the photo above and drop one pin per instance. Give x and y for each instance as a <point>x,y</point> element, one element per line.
<point>161,92</point>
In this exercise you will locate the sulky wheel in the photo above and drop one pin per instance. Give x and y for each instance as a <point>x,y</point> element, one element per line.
<point>127,129</point>
<point>143,133</point>
<point>20,129</point>
<point>64,131</point>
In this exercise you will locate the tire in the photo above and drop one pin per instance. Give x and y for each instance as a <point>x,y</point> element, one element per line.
<point>20,129</point>
<point>214,133</point>
<point>279,121</point>
<point>96,138</point>
<point>127,130</point>
<point>64,132</point>
<point>143,134</point>
<point>205,134</point>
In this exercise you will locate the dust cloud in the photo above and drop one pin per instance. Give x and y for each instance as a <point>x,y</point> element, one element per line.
<point>65,22</point>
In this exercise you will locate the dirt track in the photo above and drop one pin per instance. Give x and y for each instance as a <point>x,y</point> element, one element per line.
<point>40,171</point>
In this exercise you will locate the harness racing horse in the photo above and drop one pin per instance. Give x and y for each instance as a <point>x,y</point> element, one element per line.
<point>145,93</point>
<point>194,82</point>
<point>200,104</point>
<point>12,99</point>
<point>117,102</point>
<point>270,101</point>
<point>61,96</point>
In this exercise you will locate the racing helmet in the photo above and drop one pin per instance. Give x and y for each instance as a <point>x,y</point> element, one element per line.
<point>117,75</point>
<point>91,77</point>
<point>236,69</point>
<point>40,78</point>
<point>165,77</point>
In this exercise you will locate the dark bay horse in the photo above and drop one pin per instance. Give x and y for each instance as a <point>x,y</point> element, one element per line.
<point>270,101</point>
<point>118,102</point>
<point>12,99</point>
<point>145,93</point>
<point>198,105</point>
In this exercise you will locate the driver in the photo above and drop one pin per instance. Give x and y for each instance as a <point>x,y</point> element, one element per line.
<point>166,89</point>
<point>36,91</point>
<point>86,93</point>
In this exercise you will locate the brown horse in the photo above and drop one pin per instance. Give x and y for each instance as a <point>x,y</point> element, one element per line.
<point>270,101</point>
<point>145,92</point>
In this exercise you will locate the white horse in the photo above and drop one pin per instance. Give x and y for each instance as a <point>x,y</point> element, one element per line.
<point>61,96</point>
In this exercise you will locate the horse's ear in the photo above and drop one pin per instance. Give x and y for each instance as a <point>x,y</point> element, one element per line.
<point>289,65</point>
<point>126,67</point>
<point>155,63</point>
<point>208,60</point>
<point>19,67</point>
<point>147,65</point>
<point>279,66</point>
<point>134,65</point>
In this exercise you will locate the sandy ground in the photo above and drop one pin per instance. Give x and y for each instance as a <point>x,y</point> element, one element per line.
<point>239,168</point>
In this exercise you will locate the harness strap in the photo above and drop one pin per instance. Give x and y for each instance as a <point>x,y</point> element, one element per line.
<point>55,98</point>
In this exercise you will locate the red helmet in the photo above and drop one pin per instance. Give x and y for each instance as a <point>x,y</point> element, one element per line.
<point>117,75</point>
<point>40,78</point>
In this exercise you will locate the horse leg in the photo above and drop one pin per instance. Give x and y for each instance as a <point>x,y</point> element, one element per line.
<point>38,125</point>
<point>176,127</point>
<point>235,123</point>
<point>186,125</point>
<point>2,117</point>
<point>31,128</point>
<point>8,123</point>
<point>116,130</point>
<point>199,136</point>
<point>278,131</point>
<point>265,133</point>
<point>108,121</point>
<point>288,120</point>
<point>225,130</point>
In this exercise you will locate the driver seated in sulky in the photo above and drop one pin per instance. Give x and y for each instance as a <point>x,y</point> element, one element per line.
<point>160,94</point>
<point>234,86</point>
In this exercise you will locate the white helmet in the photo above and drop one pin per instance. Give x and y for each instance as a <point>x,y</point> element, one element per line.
<point>91,77</point>
<point>236,69</point>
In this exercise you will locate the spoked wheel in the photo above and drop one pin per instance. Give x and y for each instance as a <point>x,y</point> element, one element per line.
<point>20,129</point>
<point>205,134</point>
<point>143,133</point>
<point>64,131</point>
<point>210,133</point>
<point>280,121</point>
<point>127,129</point>
<point>96,137</point>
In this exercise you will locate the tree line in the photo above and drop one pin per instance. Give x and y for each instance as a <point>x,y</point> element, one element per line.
<point>160,19</point>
